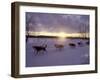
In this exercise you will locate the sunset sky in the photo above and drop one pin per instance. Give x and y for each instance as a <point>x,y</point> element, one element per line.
<point>57,32</point>
<point>56,23</point>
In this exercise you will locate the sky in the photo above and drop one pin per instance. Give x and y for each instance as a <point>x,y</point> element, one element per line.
<point>51,22</point>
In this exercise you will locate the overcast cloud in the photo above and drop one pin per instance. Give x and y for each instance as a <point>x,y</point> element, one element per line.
<point>50,22</point>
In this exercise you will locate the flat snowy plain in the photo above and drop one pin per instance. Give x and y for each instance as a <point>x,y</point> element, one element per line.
<point>78,55</point>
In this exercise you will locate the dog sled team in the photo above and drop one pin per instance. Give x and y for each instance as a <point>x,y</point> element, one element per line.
<point>43,48</point>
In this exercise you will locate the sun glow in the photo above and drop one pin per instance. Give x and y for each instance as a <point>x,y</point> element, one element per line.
<point>62,35</point>
<point>57,34</point>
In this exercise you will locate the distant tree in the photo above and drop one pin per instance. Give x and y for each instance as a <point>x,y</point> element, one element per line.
<point>83,30</point>
<point>28,21</point>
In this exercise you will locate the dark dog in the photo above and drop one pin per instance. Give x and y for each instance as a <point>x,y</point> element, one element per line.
<point>80,43</point>
<point>38,49</point>
<point>87,42</point>
<point>59,46</point>
<point>72,45</point>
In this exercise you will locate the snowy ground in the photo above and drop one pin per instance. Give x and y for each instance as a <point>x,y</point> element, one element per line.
<point>55,57</point>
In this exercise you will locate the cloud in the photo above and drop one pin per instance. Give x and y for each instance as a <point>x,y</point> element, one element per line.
<point>57,22</point>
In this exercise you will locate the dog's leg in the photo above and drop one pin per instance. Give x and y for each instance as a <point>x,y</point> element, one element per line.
<point>45,50</point>
<point>35,52</point>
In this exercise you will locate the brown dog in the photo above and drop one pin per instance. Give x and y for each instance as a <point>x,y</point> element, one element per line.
<point>59,46</point>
